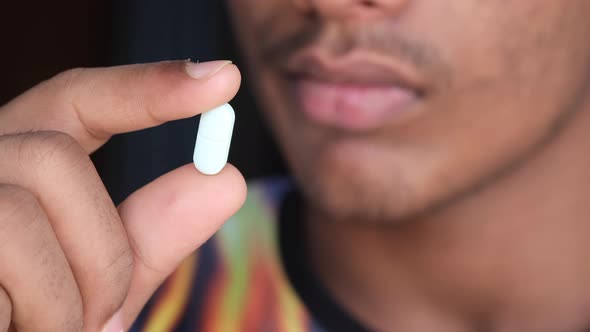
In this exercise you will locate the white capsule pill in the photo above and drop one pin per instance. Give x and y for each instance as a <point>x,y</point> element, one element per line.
<point>213,139</point>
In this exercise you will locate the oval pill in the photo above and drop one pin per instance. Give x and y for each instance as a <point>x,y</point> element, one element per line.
<point>214,139</point>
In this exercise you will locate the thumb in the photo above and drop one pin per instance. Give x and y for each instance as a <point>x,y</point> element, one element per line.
<point>167,220</point>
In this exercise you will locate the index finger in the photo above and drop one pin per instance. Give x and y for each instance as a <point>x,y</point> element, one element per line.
<point>92,104</point>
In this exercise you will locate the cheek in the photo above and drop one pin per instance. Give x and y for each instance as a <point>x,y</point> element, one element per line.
<point>480,128</point>
<point>472,140</point>
<point>508,93</point>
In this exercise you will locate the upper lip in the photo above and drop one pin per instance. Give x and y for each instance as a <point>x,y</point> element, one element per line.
<point>357,68</point>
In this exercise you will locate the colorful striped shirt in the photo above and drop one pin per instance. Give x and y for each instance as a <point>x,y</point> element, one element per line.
<point>236,281</point>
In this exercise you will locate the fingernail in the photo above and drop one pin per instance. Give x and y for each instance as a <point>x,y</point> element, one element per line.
<point>205,70</point>
<point>115,324</point>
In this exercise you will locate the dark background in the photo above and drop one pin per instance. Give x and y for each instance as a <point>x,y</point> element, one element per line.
<point>39,39</point>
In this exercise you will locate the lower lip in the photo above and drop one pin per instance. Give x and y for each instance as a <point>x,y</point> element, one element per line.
<point>354,107</point>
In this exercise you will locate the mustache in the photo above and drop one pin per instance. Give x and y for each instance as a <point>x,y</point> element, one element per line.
<point>376,38</point>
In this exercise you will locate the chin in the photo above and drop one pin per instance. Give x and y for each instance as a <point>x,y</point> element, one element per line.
<point>350,200</point>
<point>350,190</point>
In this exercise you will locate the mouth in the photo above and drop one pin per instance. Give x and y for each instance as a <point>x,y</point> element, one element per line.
<point>359,92</point>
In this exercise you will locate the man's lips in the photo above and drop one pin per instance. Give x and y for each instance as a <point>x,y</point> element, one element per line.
<point>359,92</point>
<point>348,106</point>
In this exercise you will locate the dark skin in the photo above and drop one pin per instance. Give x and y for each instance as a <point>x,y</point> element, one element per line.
<point>468,213</point>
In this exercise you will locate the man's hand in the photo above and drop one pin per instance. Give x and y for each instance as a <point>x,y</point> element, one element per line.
<point>69,259</point>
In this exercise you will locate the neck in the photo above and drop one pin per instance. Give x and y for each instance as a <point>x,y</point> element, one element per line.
<point>513,257</point>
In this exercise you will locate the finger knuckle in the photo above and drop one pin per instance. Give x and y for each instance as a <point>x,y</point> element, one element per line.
<point>66,87</point>
<point>17,205</point>
<point>50,148</point>
<point>19,209</point>
<point>68,80</point>
<point>156,74</point>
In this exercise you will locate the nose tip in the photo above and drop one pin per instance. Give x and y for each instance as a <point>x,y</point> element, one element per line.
<point>347,9</point>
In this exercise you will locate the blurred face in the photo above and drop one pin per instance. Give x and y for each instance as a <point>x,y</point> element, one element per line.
<point>386,109</point>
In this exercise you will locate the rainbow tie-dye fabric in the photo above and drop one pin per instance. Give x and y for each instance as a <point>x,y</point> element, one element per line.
<point>236,281</point>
